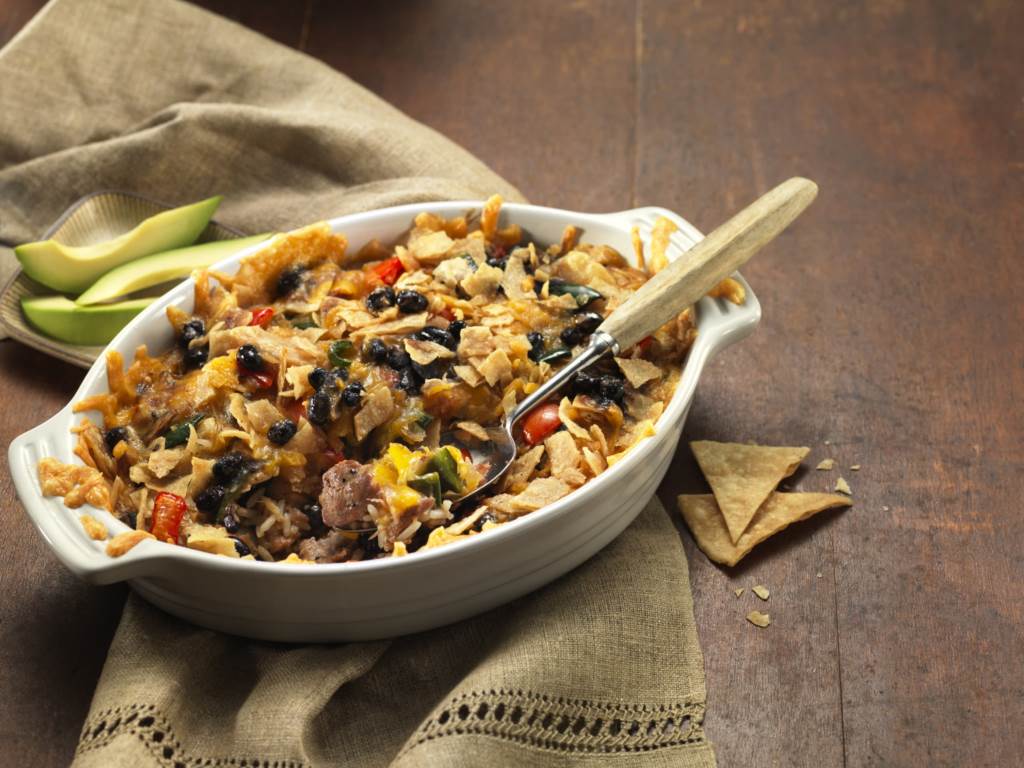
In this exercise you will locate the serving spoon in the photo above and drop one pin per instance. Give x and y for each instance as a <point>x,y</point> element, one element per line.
<point>679,285</point>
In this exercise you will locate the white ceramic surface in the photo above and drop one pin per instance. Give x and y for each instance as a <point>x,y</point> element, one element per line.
<point>382,598</point>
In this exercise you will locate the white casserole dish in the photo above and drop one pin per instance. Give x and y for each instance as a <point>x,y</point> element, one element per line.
<point>393,596</point>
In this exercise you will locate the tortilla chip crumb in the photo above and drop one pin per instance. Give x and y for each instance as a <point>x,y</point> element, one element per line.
<point>843,487</point>
<point>855,467</point>
<point>826,464</point>
<point>818,575</point>
<point>294,559</point>
<point>885,509</point>
<point>123,542</point>
<point>93,527</point>
<point>828,442</point>
<point>738,591</point>
<point>759,619</point>
<point>761,591</point>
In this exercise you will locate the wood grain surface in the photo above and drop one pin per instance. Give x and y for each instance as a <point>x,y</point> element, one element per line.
<point>891,337</point>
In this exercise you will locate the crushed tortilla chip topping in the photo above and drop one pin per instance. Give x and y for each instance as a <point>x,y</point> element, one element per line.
<point>310,426</point>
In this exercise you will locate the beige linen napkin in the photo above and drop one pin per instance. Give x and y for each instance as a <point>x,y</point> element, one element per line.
<point>600,668</point>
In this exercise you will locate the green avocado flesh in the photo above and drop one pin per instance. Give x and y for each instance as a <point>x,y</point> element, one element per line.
<point>72,269</point>
<point>161,267</point>
<point>61,318</point>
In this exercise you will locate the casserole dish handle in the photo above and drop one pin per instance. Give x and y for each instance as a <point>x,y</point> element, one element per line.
<point>61,527</point>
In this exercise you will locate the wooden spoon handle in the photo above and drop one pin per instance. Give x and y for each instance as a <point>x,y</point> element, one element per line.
<point>684,281</point>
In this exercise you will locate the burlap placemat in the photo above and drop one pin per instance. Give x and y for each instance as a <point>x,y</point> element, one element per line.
<point>599,668</point>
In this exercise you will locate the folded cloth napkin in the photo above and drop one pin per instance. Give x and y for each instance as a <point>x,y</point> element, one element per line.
<point>601,667</point>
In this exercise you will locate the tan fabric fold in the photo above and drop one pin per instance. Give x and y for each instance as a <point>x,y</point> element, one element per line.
<point>600,668</point>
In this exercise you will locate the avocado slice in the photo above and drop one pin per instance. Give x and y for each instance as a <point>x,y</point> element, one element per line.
<point>61,318</point>
<point>72,269</point>
<point>161,267</point>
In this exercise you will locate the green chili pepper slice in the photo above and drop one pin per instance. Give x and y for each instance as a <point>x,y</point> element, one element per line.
<point>582,293</point>
<point>428,484</point>
<point>556,355</point>
<point>178,434</point>
<point>338,353</point>
<point>444,464</point>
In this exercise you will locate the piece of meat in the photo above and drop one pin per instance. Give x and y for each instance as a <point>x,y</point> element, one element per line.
<point>348,490</point>
<point>401,521</point>
<point>332,548</point>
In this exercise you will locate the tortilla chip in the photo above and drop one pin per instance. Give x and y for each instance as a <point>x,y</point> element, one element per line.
<point>826,464</point>
<point>741,476</point>
<point>474,430</point>
<point>489,216</point>
<point>638,371</point>
<point>738,591</point>
<point>638,247</point>
<point>564,456</point>
<point>729,289</point>
<point>708,527</point>
<point>855,467</point>
<point>660,234</point>
<point>761,591</point>
<point>759,619</point>
<point>843,487</point>
<point>94,529</point>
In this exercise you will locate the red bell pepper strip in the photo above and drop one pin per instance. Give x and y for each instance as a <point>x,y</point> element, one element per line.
<point>168,509</point>
<point>262,317</point>
<point>388,270</point>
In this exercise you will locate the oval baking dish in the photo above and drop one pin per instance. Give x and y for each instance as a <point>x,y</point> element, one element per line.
<point>391,596</point>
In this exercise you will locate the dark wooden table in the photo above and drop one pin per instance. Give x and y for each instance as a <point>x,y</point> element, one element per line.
<point>892,337</point>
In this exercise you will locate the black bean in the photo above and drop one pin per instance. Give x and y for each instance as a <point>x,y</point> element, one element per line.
<point>455,328</point>
<point>227,467</point>
<point>586,384</point>
<point>315,516</point>
<point>196,357</point>
<point>536,344</point>
<point>377,351</point>
<point>380,298</point>
<point>241,548</point>
<point>437,335</point>
<point>612,388</point>
<point>249,358</point>
<point>288,280</point>
<point>352,395</point>
<point>190,331</point>
<point>587,322</point>
<point>410,301</point>
<point>230,523</point>
<point>114,436</point>
<point>571,336</point>
<point>317,377</point>
<point>209,499</point>
<point>371,548</point>
<point>496,253</point>
<point>409,381</point>
<point>131,519</point>
<point>398,358</point>
<point>486,517</point>
<point>318,410</point>
<point>496,262</point>
<point>282,431</point>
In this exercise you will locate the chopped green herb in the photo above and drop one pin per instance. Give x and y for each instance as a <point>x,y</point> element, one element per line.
<point>306,321</point>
